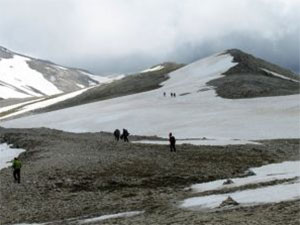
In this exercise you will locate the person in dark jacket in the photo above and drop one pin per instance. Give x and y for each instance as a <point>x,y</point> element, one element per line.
<point>172,141</point>
<point>16,165</point>
<point>125,135</point>
<point>117,134</point>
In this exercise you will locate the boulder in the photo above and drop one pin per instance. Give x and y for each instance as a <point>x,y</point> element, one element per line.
<point>227,182</point>
<point>228,202</point>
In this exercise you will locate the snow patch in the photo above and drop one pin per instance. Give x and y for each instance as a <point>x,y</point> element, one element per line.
<point>156,68</point>
<point>80,85</point>
<point>92,220</point>
<point>279,75</point>
<point>7,154</point>
<point>60,67</point>
<point>112,216</point>
<point>271,172</point>
<point>100,79</point>
<point>53,78</point>
<point>200,142</point>
<point>269,194</point>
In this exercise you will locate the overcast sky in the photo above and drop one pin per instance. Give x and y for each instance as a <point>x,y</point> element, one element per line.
<point>114,36</point>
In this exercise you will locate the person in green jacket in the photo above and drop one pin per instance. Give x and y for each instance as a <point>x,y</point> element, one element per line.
<point>16,165</point>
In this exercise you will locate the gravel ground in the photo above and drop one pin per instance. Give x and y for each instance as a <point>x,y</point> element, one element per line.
<point>68,175</point>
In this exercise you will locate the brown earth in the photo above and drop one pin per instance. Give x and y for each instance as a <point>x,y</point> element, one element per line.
<point>67,175</point>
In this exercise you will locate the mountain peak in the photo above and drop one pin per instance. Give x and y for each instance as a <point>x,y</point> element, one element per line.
<point>24,77</point>
<point>254,77</point>
<point>248,64</point>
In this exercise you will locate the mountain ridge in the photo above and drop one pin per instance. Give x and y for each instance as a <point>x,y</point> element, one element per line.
<point>254,77</point>
<point>19,75</point>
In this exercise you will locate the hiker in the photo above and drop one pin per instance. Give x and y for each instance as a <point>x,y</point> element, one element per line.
<point>125,135</point>
<point>171,94</point>
<point>174,94</point>
<point>172,141</point>
<point>17,169</point>
<point>164,94</point>
<point>117,134</point>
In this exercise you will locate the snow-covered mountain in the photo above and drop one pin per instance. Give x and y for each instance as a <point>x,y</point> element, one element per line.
<point>197,111</point>
<point>23,77</point>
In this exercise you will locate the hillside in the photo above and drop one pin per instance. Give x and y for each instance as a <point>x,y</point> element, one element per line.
<point>197,112</point>
<point>24,77</point>
<point>253,77</point>
<point>131,84</point>
<point>70,177</point>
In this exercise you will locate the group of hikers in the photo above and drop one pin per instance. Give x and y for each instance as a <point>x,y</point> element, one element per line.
<point>123,136</point>
<point>16,164</point>
<point>171,94</point>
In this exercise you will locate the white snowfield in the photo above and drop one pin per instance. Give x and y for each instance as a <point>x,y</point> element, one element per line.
<point>269,194</point>
<point>15,72</point>
<point>18,80</point>
<point>39,104</point>
<point>7,154</point>
<point>196,112</point>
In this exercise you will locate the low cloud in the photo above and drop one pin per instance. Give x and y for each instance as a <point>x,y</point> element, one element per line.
<point>113,36</point>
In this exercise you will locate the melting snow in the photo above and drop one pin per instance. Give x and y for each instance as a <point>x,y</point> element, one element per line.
<point>80,85</point>
<point>271,172</point>
<point>159,67</point>
<point>92,220</point>
<point>280,76</point>
<point>269,194</point>
<point>7,154</point>
<point>112,216</point>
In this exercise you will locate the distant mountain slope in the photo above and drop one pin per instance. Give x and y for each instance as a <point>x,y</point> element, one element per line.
<point>254,77</point>
<point>195,113</point>
<point>144,81</point>
<point>23,77</point>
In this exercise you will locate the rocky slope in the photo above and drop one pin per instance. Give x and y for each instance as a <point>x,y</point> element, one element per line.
<point>255,77</point>
<point>67,175</point>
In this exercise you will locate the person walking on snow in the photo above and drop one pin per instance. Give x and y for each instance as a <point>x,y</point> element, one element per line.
<point>16,165</point>
<point>172,141</point>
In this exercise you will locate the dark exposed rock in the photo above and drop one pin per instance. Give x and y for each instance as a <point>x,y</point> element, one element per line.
<point>228,202</point>
<point>227,182</point>
<point>249,79</point>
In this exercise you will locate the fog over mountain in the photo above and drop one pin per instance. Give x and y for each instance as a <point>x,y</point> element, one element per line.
<point>116,36</point>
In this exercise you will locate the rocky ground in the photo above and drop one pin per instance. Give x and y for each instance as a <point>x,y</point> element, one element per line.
<point>67,175</point>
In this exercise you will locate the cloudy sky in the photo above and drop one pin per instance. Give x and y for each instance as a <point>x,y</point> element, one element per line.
<point>115,36</point>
